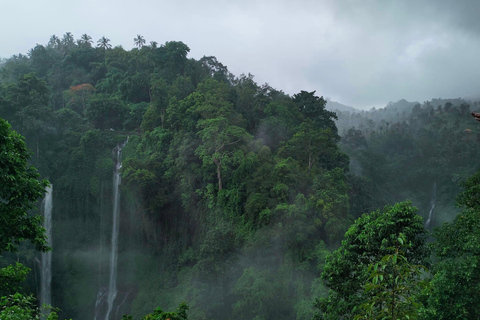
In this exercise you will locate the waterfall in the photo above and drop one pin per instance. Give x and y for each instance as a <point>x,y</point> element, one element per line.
<point>433,200</point>
<point>125,297</point>
<point>98,302</point>
<point>46,274</point>
<point>112,284</point>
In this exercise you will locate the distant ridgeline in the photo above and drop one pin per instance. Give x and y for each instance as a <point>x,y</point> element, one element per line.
<point>232,193</point>
<point>404,148</point>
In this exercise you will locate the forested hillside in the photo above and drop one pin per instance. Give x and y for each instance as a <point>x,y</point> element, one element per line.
<point>232,193</point>
<point>414,151</point>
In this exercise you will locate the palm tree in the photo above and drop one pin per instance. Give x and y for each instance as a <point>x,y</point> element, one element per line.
<point>139,41</point>
<point>86,40</point>
<point>104,43</point>
<point>54,41</point>
<point>67,40</point>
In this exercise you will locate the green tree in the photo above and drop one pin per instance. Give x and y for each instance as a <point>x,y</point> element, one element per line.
<point>155,115</point>
<point>159,314</point>
<point>85,40</point>
<point>367,241</point>
<point>20,307</point>
<point>54,42</point>
<point>309,143</point>
<point>19,191</point>
<point>139,41</point>
<point>28,100</point>
<point>221,137</point>
<point>20,188</point>
<point>456,280</point>
<point>215,69</point>
<point>106,112</point>
<point>248,101</point>
<point>104,43</point>
<point>77,97</point>
<point>354,139</point>
<point>36,115</point>
<point>41,59</point>
<point>259,296</point>
<point>67,41</point>
<point>28,92</point>
<point>136,88</point>
<point>171,58</point>
<point>393,287</point>
<point>220,143</point>
<point>313,107</point>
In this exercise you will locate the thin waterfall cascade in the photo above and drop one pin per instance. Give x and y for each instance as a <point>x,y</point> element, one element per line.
<point>102,293</point>
<point>125,297</point>
<point>46,258</point>
<point>112,284</point>
<point>433,201</point>
<point>100,301</point>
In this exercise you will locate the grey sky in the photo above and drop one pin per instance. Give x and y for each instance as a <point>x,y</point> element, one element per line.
<point>361,53</point>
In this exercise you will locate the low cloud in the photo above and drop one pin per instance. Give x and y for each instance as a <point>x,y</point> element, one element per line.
<point>361,54</point>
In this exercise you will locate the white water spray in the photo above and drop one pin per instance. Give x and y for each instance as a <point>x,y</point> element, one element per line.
<point>112,285</point>
<point>125,297</point>
<point>98,302</point>
<point>46,275</point>
<point>433,201</point>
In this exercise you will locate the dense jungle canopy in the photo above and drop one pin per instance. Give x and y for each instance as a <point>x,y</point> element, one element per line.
<point>241,200</point>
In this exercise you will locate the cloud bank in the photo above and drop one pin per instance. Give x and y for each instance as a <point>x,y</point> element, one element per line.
<point>363,54</point>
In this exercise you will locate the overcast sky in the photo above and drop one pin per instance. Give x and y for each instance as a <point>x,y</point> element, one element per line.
<point>360,53</point>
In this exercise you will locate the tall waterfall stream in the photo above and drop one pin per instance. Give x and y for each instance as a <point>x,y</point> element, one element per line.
<point>112,284</point>
<point>433,201</point>
<point>106,296</point>
<point>46,258</point>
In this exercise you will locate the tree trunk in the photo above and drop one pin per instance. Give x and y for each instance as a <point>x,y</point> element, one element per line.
<point>162,116</point>
<point>219,172</point>
<point>219,176</point>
